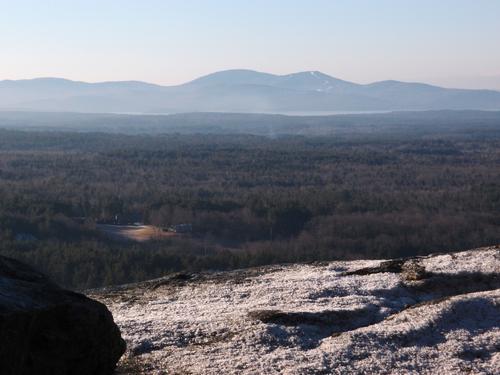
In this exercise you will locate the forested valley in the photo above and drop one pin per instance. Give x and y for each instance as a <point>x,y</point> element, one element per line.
<point>251,200</point>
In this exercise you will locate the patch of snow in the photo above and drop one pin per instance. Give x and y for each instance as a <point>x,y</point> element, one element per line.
<point>351,324</point>
<point>466,261</point>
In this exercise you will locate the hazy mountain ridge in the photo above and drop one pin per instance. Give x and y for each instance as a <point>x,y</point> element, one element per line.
<point>239,91</point>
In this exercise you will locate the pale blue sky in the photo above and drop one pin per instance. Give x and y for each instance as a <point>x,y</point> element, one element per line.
<point>449,42</point>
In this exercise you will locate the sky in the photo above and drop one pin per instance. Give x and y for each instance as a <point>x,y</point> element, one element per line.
<point>454,43</point>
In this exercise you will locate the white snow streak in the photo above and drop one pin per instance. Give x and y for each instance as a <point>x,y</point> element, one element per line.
<point>204,327</point>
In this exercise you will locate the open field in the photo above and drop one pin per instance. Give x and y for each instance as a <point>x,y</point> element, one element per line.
<point>140,233</point>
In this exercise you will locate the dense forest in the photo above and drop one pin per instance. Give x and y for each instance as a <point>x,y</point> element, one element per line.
<point>251,199</point>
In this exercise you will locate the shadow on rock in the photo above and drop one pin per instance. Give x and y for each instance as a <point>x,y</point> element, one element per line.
<point>475,315</point>
<point>445,285</point>
<point>419,287</point>
<point>311,327</point>
<point>46,330</point>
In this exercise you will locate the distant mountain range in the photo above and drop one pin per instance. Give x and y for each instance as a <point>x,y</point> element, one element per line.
<point>239,91</point>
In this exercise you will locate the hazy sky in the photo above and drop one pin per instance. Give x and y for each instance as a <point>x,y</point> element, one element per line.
<point>449,42</point>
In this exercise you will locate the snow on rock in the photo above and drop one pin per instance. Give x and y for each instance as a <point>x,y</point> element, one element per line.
<point>340,318</point>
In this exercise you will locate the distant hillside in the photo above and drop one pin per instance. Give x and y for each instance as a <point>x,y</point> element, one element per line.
<point>239,91</point>
<point>408,125</point>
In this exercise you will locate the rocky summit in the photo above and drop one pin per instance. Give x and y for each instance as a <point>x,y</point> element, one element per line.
<point>46,330</point>
<point>438,313</point>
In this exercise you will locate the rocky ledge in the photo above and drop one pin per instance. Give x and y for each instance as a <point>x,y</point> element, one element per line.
<point>46,330</point>
<point>438,313</point>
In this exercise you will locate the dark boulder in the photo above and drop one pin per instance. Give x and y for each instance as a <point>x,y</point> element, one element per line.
<point>48,330</point>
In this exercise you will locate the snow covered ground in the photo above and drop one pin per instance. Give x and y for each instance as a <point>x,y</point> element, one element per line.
<point>438,314</point>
